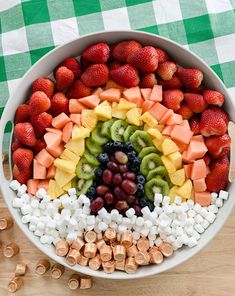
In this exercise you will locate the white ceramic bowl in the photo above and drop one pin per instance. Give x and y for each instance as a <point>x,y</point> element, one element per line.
<point>44,67</point>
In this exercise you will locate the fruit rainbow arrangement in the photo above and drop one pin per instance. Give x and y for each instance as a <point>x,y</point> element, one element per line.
<point>120,157</point>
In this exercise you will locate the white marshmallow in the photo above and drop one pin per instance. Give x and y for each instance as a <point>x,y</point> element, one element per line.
<point>205,224</point>
<point>17,202</point>
<point>21,190</point>
<point>192,242</point>
<point>198,219</point>
<point>210,217</point>
<point>139,221</point>
<point>41,193</point>
<point>199,228</point>
<point>166,200</point>
<point>219,202</point>
<point>213,208</point>
<point>26,219</point>
<point>158,242</point>
<point>130,213</point>
<point>136,235</point>
<point>190,203</point>
<point>223,194</point>
<point>178,200</point>
<point>14,185</point>
<point>72,191</point>
<point>157,199</point>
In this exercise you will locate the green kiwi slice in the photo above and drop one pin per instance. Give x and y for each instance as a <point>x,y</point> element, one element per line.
<point>129,131</point>
<point>146,151</point>
<point>92,147</point>
<point>149,163</point>
<point>155,185</point>
<point>84,169</point>
<point>105,130</point>
<point>96,136</point>
<point>83,186</point>
<point>117,130</point>
<point>140,140</point>
<point>158,171</point>
<point>91,158</point>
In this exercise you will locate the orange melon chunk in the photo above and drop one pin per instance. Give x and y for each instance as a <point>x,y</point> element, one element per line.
<point>175,119</point>
<point>112,84</point>
<point>185,124</point>
<point>52,139</point>
<point>39,171</point>
<point>51,172</point>
<point>97,91</point>
<point>60,120</point>
<point>76,118</point>
<point>198,169</point>
<point>166,116</point>
<point>55,151</point>
<point>75,106</point>
<point>158,111</point>
<point>199,185</point>
<point>147,105</point>
<point>186,158</point>
<point>203,198</point>
<point>132,94</point>
<point>197,148</point>
<point>54,130</point>
<point>188,170</point>
<point>90,101</point>
<point>111,95</point>
<point>43,184</point>
<point>32,186</point>
<point>146,92</point>
<point>67,132</point>
<point>181,134</point>
<point>182,146</point>
<point>167,130</point>
<point>44,158</point>
<point>156,94</point>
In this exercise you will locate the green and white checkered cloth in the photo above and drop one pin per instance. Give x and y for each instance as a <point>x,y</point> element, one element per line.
<point>29,29</point>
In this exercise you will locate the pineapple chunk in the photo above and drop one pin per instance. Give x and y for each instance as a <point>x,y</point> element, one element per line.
<point>125,105</point>
<point>62,177</point>
<point>54,190</point>
<point>149,119</point>
<point>172,193</point>
<point>176,159</point>
<point>76,146</point>
<point>80,132</point>
<point>89,119</point>
<point>155,133</point>
<point>69,155</point>
<point>186,190</point>
<point>67,166</point>
<point>160,127</point>
<point>67,186</point>
<point>120,114</point>
<point>133,116</point>
<point>157,143</point>
<point>168,164</point>
<point>168,147</point>
<point>104,110</point>
<point>178,177</point>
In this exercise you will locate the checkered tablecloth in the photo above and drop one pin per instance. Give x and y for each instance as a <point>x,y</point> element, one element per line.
<point>29,29</point>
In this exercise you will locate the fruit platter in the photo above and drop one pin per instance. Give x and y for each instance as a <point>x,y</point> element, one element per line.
<point>120,154</point>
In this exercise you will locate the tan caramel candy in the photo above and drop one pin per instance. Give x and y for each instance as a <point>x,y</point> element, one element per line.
<point>11,250</point>
<point>109,266</point>
<point>85,283</point>
<point>119,253</point>
<point>62,248</point>
<point>83,261</point>
<point>73,282</point>
<point>131,265</point>
<point>73,257</point>
<point>100,243</point>
<point>106,253</point>
<point>15,284</point>
<point>42,266</point>
<point>90,250</point>
<point>57,271</point>
<point>132,251</point>
<point>78,243</point>
<point>120,265</point>
<point>143,244</point>
<point>155,255</point>
<point>20,269</point>
<point>95,262</point>
<point>110,235</point>
<point>126,239</point>
<point>90,236</point>
<point>142,258</point>
<point>6,222</point>
<point>166,249</point>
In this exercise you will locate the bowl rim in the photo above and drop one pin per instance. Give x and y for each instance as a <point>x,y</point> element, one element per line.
<point>42,248</point>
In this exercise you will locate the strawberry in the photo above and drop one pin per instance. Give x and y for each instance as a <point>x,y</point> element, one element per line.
<point>126,76</point>
<point>218,145</point>
<point>84,63</point>
<point>24,132</point>
<point>185,111</point>
<point>213,97</point>
<point>64,78</point>
<point>148,80</point>
<point>39,102</point>
<point>195,90</point>
<point>73,65</point>
<point>22,157</point>
<point>207,159</point>
<point>213,122</point>
<point>145,59</point>
<point>194,123</point>
<point>174,82</point>
<point>44,84</point>
<point>114,65</point>
<point>59,104</point>
<point>78,90</point>
<point>166,70</point>
<point>22,176</point>
<point>40,144</point>
<point>123,49</point>
<point>195,102</point>
<point>97,53</point>
<point>40,122</point>
<point>95,75</point>
<point>22,113</point>
<point>16,144</point>
<point>162,55</point>
<point>172,98</point>
<point>190,78</point>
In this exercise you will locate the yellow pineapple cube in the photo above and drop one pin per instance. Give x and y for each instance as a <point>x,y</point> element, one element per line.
<point>62,177</point>
<point>104,110</point>
<point>54,190</point>
<point>178,177</point>
<point>149,119</point>
<point>67,166</point>
<point>160,127</point>
<point>76,146</point>
<point>172,193</point>
<point>168,164</point>
<point>80,132</point>
<point>67,186</point>
<point>89,119</point>
<point>125,105</point>
<point>176,159</point>
<point>186,190</point>
<point>168,146</point>
<point>117,113</point>
<point>69,155</point>
<point>155,133</point>
<point>133,116</point>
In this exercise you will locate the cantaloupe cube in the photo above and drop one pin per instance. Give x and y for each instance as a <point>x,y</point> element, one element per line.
<point>67,186</point>
<point>197,148</point>
<point>155,133</point>
<point>120,114</point>
<point>65,165</point>
<point>67,132</point>
<point>69,155</point>
<point>55,151</point>
<point>186,189</point>
<point>166,116</point>
<point>175,119</point>
<point>43,184</point>
<point>176,159</point>
<point>52,139</point>
<point>181,134</point>
<point>133,116</point>
<point>160,127</point>
<point>80,132</point>
<point>51,172</point>
<point>76,146</point>
<point>149,119</point>
<point>132,94</point>
<point>60,120</point>
<point>178,177</point>
<point>168,164</point>
<point>111,95</point>
<point>32,186</point>
<point>89,119</point>
<point>198,169</point>
<point>199,185</point>
<point>158,111</point>
<point>112,84</point>
<point>90,101</point>
<point>188,170</point>
<point>39,171</point>
<point>75,106</point>
<point>54,190</point>
<point>104,110</point>
<point>185,157</point>
<point>125,105</point>
<point>139,102</point>
<point>146,93</point>
<point>167,130</point>
<point>76,119</point>
<point>168,146</point>
<point>182,146</point>
<point>203,198</point>
<point>147,105</point>
<point>62,177</point>
<point>44,158</point>
<point>185,123</point>
<point>97,91</point>
<point>54,130</point>
<point>156,94</point>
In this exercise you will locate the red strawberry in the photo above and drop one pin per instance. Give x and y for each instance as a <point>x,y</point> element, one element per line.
<point>126,76</point>
<point>218,145</point>
<point>207,159</point>
<point>22,113</point>
<point>166,70</point>
<point>195,90</point>
<point>148,80</point>
<point>64,78</point>
<point>162,55</point>
<point>185,111</point>
<point>194,123</point>
<point>174,82</point>
<point>40,122</point>
<point>222,162</point>
<point>24,132</point>
<point>22,176</point>
<point>78,90</point>
<point>172,98</point>
<point>73,65</point>
<point>97,53</point>
<point>16,144</point>
<point>39,102</point>
<point>213,97</point>
<point>84,63</point>
<point>195,102</point>
<point>95,75</point>
<point>191,78</point>
<point>213,122</point>
<point>44,84</point>
<point>145,59</point>
<point>114,65</point>
<point>22,157</point>
<point>59,104</point>
<point>123,49</point>
<point>40,144</point>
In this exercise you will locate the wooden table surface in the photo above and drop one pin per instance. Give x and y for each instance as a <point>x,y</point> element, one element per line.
<point>211,272</point>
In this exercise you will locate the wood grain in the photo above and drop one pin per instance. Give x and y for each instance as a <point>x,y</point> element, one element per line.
<point>211,272</point>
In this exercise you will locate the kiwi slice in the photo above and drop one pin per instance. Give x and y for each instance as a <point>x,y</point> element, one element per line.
<point>129,131</point>
<point>117,130</point>
<point>84,169</point>
<point>146,151</point>
<point>74,182</point>
<point>83,186</point>
<point>105,130</point>
<point>92,147</point>
<point>96,136</point>
<point>155,185</point>
<point>91,158</point>
<point>149,163</point>
<point>140,140</point>
<point>158,171</point>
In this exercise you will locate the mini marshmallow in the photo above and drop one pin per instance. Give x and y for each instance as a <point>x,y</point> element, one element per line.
<point>90,220</point>
<point>157,199</point>
<point>140,221</point>
<point>190,203</point>
<point>21,190</point>
<point>214,194</point>
<point>136,235</point>
<point>26,209</point>
<point>204,212</point>
<point>71,236</point>
<point>102,226</point>
<point>210,217</point>
<point>151,243</point>
<point>148,224</point>
<point>178,200</point>
<point>213,208</point>
<point>192,242</point>
<point>25,198</point>
<point>190,221</point>
<point>197,208</point>
<point>114,215</point>
<point>46,198</point>
<point>166,200</point>
<point>14,185</point>
<point>189,230</point>
<point>38,232</point>
<point>32,227</point>
<point>158,242</point>
<point>17,202</point>
<point>199,228</point>
<point>219,202</point>
<point>191,213</point>
<point>196,235</point>
<point>26,219</point>
<point>121,228</point>
<point>130,213</point>
<point>205,224</point>
<point>168,209</point>
<point>144,232</point>
<point>152,236</point>
<point>72,191</point>
<point>34,203</point>
<point>146,211</point>
<point>41,193</point>
<point>113,225</point>
<point>56,203</point>
<point>158,210</point>
<point>198,219</point>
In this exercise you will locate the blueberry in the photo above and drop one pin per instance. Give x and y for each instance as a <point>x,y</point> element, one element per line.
<point>118,145</point>
<point>134,168</point>
<point>140,179</point>
<point>131,155</point>
<point>143,202</point>
<point>136,161</point>
<point>91,192</point>
<point>108,148</point>
<point>103,158</point>
<point>128,146</point>
<point>150,205</point>
<point>140,193</point>
<point>140,186</point>
<point>98,172</point>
